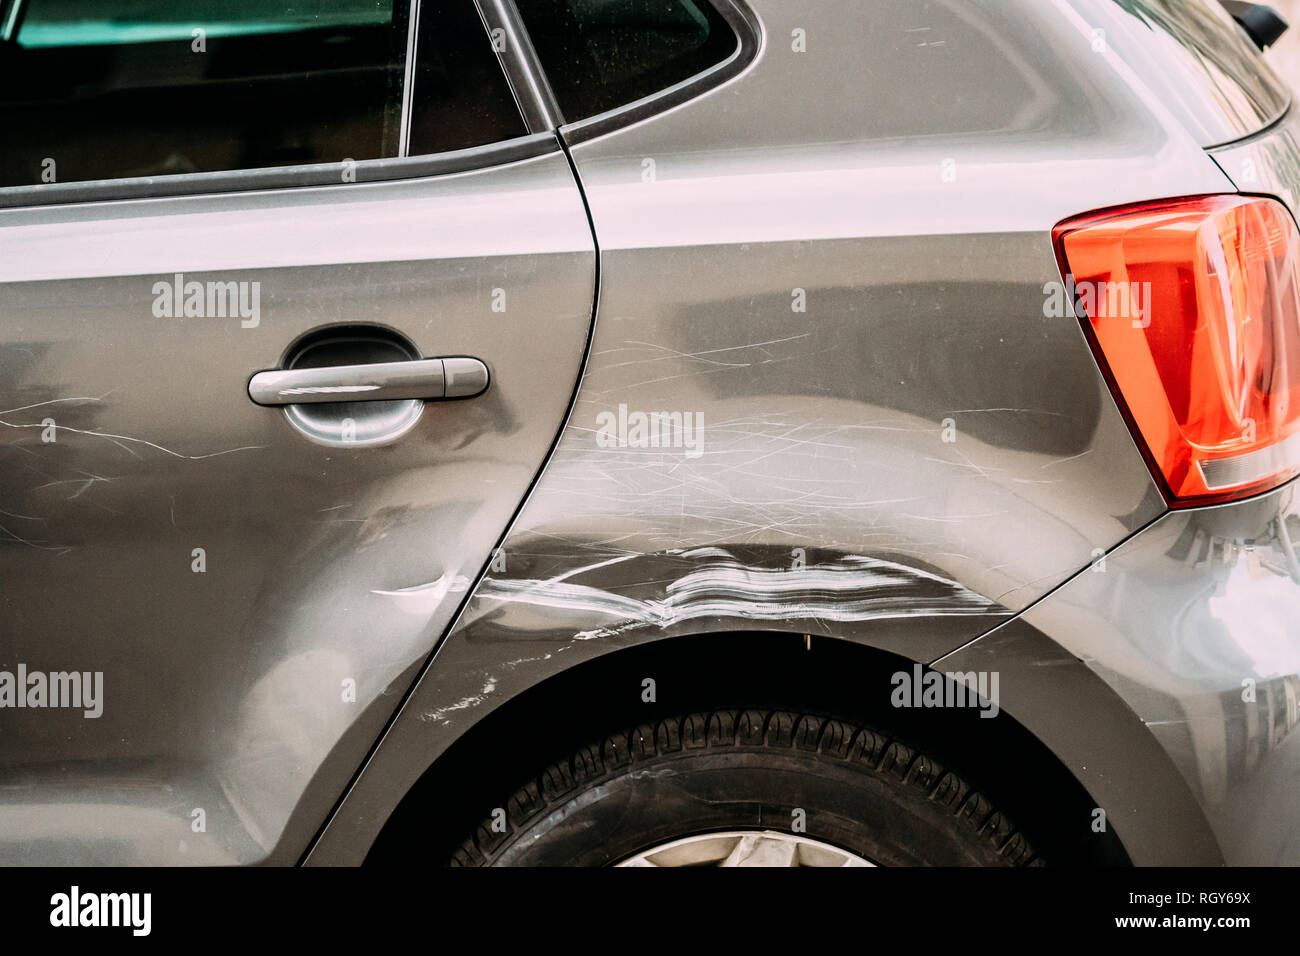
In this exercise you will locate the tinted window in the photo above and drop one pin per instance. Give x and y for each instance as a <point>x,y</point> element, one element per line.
<point>600,54</point>
<point>104,89</point>
<point>112,88</point>
<point>461,96</point>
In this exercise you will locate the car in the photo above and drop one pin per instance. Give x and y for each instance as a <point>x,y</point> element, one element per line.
<point>648,433</point>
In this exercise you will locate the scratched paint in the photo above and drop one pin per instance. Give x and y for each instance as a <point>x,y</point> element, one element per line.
<point>853,588</point>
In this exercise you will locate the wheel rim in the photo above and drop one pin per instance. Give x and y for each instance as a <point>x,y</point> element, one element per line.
<point>746,848</point>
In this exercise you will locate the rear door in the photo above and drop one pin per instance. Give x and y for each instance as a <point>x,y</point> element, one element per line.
<point>208,606</point>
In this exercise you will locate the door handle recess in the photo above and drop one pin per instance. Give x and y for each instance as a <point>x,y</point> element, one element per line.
<point>428,379</point>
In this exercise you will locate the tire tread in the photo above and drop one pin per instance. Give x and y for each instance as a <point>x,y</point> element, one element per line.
<point>753,729</point>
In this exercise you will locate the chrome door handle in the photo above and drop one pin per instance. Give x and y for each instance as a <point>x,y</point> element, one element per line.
<point>429,379</point>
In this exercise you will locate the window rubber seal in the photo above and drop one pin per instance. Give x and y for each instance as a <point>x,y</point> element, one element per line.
<point>283,177</point>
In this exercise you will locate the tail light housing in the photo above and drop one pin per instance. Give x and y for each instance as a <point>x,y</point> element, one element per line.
<point>1192,307</point>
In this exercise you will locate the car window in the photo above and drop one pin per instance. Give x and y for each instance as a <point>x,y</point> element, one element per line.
<point>600,54</point>
<point>105,89</point>
<point>461,97</point>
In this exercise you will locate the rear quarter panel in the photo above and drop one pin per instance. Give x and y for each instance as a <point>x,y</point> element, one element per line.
<point>838,264</point>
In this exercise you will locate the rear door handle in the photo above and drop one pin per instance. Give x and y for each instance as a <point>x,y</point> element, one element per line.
<point>429,379</point>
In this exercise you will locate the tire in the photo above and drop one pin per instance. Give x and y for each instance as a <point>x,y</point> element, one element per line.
<point>718,771</point>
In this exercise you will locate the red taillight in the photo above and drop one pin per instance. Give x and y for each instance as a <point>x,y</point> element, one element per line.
<point>1192,307</point>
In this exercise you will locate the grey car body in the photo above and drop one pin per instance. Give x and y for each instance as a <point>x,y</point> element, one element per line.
<point>828,254</point>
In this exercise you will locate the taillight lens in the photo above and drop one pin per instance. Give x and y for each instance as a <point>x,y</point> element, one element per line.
<point>1192,308</point>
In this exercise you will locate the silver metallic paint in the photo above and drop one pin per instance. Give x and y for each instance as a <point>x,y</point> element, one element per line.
<point>910,197</point>
<point>1184,623</point>
<point>224,690</point>
<point>823,429</point>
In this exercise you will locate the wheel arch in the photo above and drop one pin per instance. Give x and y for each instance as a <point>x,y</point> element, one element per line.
<point>832,676</point>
